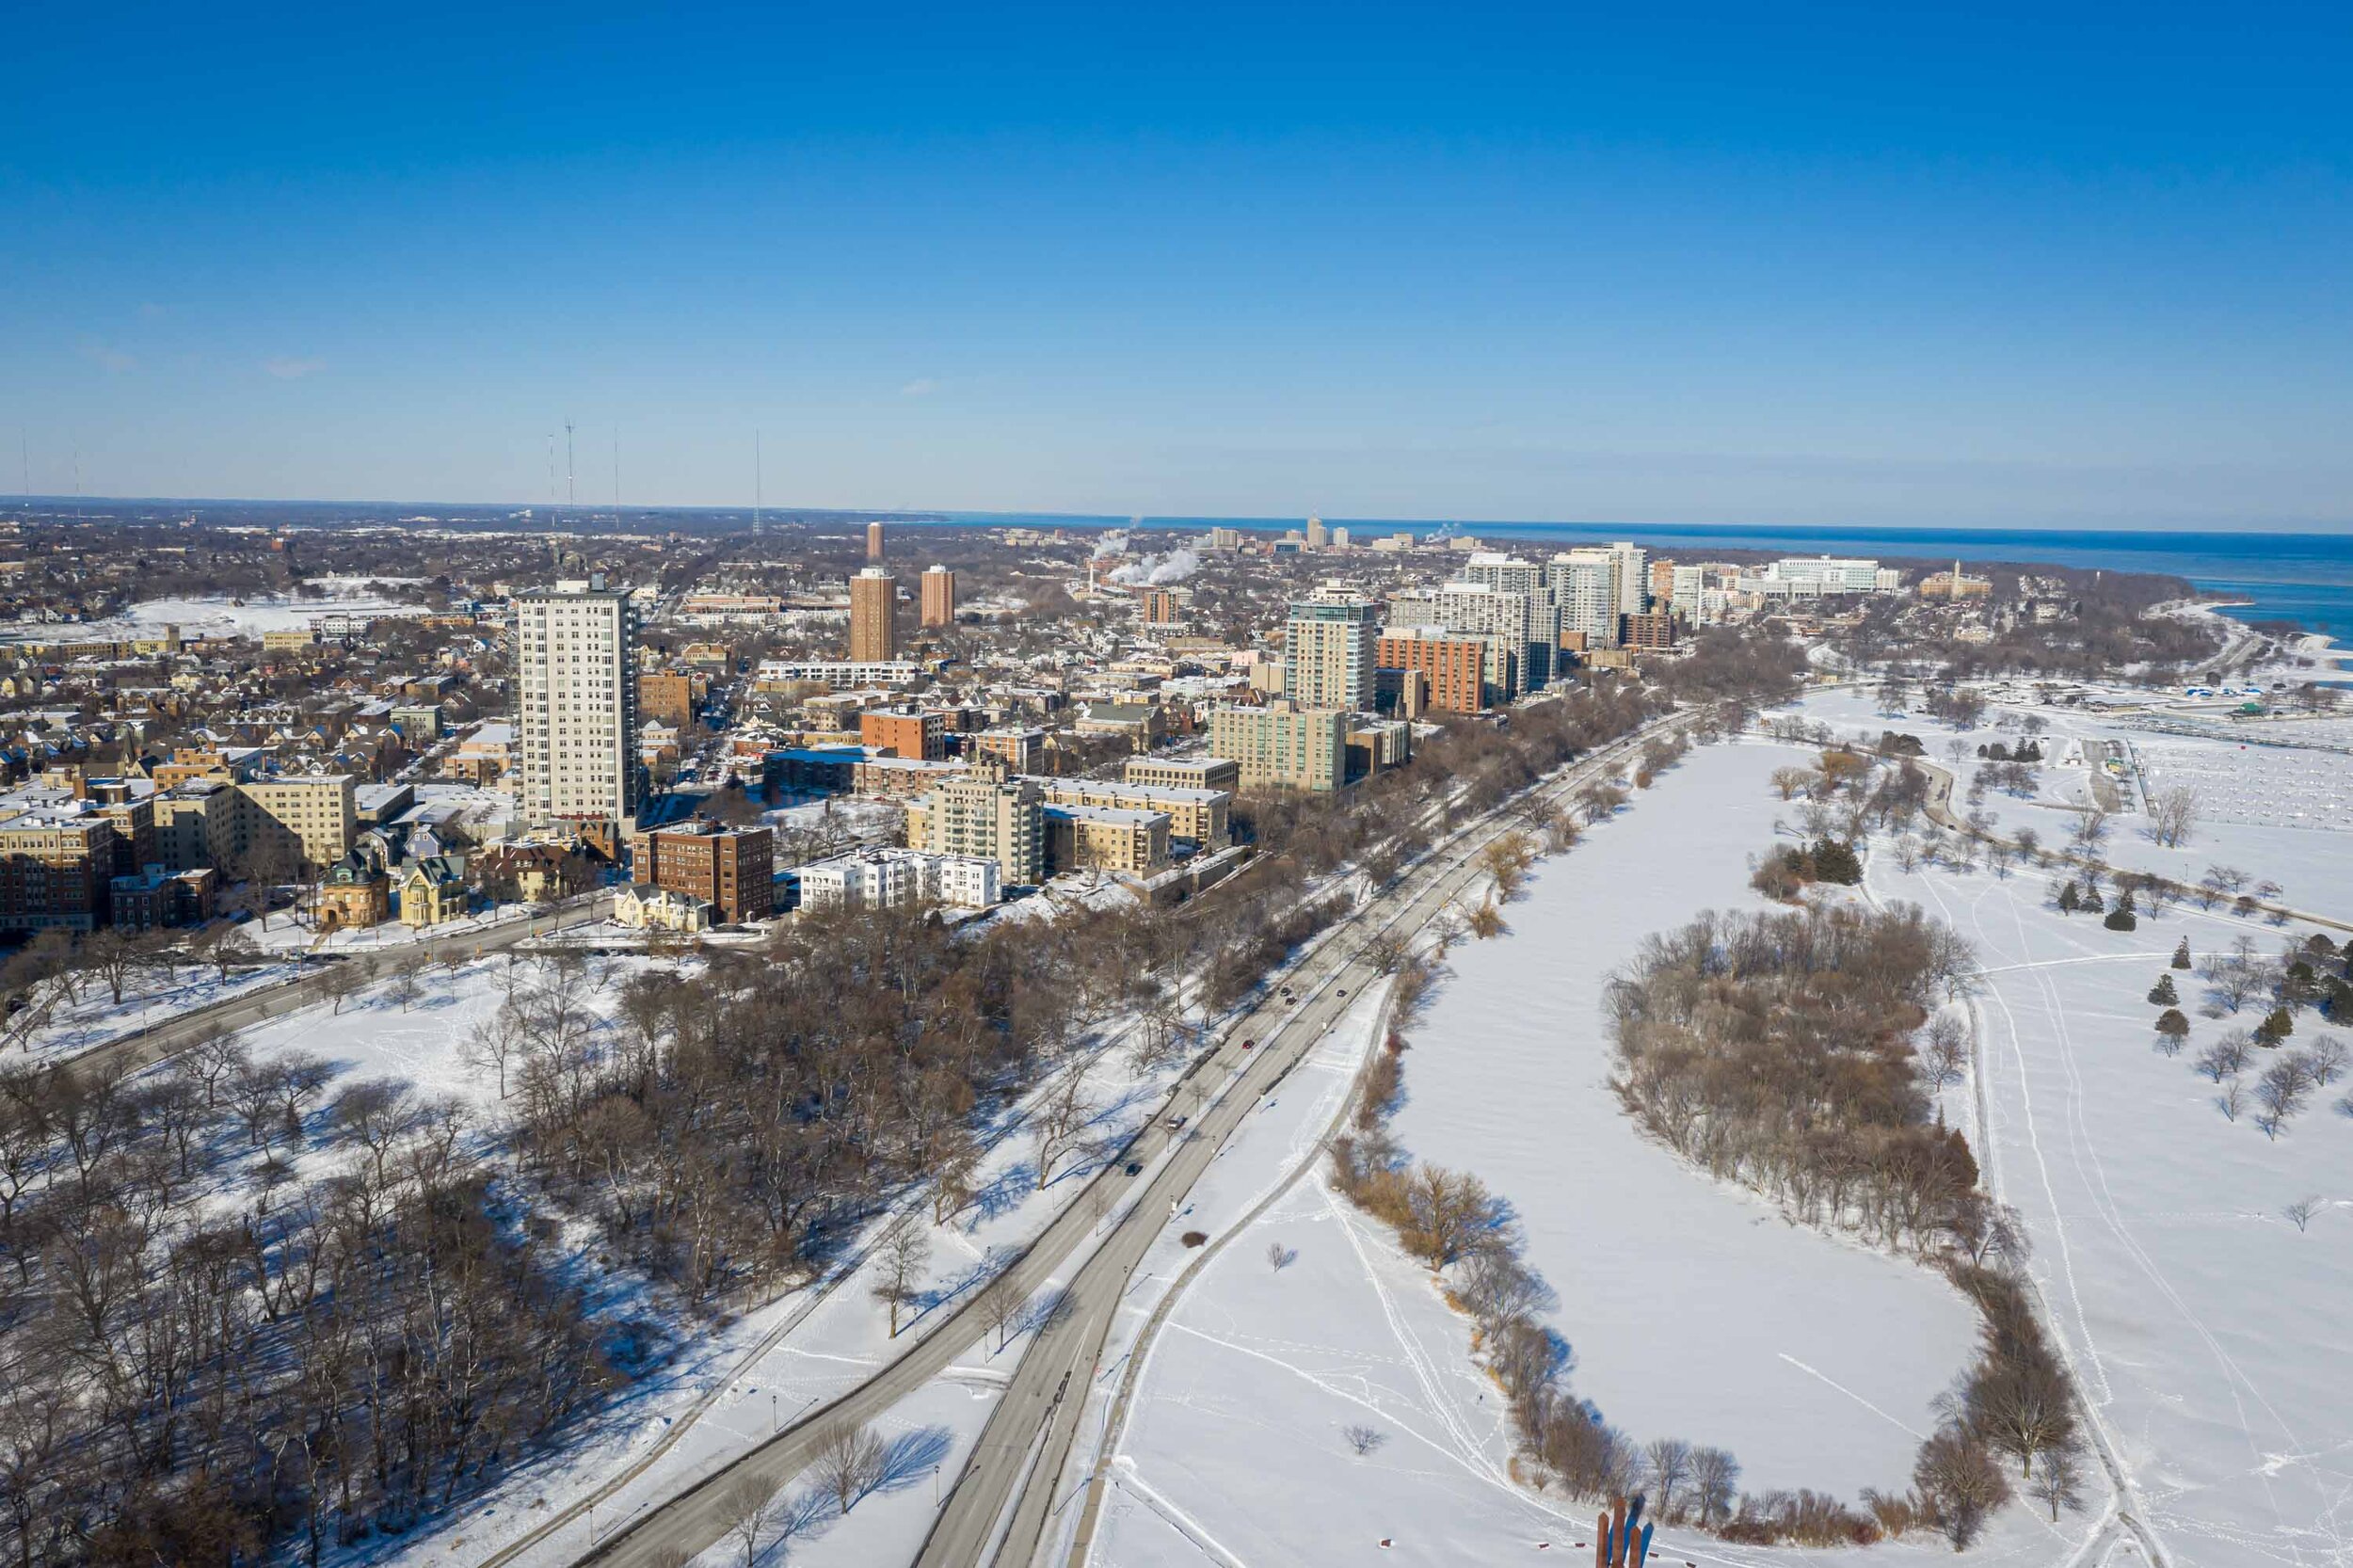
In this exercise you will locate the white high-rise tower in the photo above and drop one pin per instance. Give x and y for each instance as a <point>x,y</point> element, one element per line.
<point>576,703</point>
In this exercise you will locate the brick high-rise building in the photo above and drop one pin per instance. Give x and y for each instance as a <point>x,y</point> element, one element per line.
<point>1454,664</point>
<point>873,541</point>
<point>1648,630</point>
<point>940,596</point>
<point>874,612</point>
<point>732,870</point>
<point>1160,607</point>
<point>576,703</point>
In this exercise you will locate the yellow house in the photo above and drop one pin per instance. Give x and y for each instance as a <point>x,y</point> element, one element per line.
<point>432,891</point>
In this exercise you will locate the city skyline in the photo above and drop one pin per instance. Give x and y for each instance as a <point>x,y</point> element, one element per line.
<point>1707,269</point>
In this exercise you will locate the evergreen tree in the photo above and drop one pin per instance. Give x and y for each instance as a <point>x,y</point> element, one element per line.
<point>2162,994</point>
<point>2180,954</point>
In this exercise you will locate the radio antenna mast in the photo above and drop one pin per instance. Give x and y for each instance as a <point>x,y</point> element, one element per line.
<point>571,489</point>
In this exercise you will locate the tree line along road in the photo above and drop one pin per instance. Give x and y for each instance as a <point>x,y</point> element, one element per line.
<point>1047,1392</point>
<point>141,1048</point>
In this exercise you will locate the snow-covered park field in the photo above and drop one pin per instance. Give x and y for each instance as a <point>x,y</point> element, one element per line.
<point>2277,814</point>
<point>227,617</point>
<point>1694,1310</point>
<point>2209,1333</point>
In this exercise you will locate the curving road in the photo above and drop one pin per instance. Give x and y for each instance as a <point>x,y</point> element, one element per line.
<point>1030,1432</point>
<point>1023,1451</point>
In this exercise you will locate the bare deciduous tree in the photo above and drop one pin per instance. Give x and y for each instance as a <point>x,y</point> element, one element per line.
<point>1063,1114</point>
<point>1363,1440</point>
<point>1715,1482</point>
<point>2059,1480</point>
<point>848,1463</point>
<point>2300,1213</point>
<point>2173,815</point>
<point>2232,1100</point>
<point>905,1254</point>
<point>750,1510</point>
<point>1945,1052</point>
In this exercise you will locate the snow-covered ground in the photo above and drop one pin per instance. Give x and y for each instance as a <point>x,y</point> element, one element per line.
<point>222,617</point>
<point>2277,812</point>
<point>1694,1310</point>
<point>151,998</point>
<point>2210,1334</point>
<point>736,1383</point>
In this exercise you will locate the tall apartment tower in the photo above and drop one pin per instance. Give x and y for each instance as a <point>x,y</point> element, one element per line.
<point>1328,653</point>
<point>576,703</point>
<point>940,596</point>
<point>1318,535</point>
<point>873,541</point>
<point>1584,589</point>
<point>873,611</point>
<point>1630,577</point>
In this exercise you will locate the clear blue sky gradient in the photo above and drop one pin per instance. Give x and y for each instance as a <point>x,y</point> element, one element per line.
<point>1706,264</point>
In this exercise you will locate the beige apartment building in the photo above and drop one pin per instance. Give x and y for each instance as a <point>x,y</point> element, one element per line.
<point>576,703</point>
<point>1328,653</point>
<point>985,813</point>
<point>1283,746</point>
<point>1106,837</point>
<point>310,822</point>
<point>1196,815</point>
<point>1198,773</point>
<point>196,825</point>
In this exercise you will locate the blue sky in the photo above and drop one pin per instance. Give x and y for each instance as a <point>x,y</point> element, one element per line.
<point>1710,263</point>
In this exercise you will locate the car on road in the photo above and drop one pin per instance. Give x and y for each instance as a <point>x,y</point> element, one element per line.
<point>1250,1044</point>
<point>1135,1167</point>
<point>1343,990</point>
<point>1174,1124</point>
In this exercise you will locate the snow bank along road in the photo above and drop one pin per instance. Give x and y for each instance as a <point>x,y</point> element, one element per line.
<point>138,1049</point>
<point>1047,1390</point>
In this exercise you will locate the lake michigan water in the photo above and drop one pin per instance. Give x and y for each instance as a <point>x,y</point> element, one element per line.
<point>2301,576</point>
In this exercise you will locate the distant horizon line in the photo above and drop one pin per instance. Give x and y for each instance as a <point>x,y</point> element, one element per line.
<point>1254,523</point>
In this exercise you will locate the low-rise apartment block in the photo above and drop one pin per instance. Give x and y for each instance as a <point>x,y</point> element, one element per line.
<point>886,878</point>
<point>1106,837</point>
<point>1197,816</point>
<point>55,862</point>
<point>917,734</point>
<point>1197,773</point>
